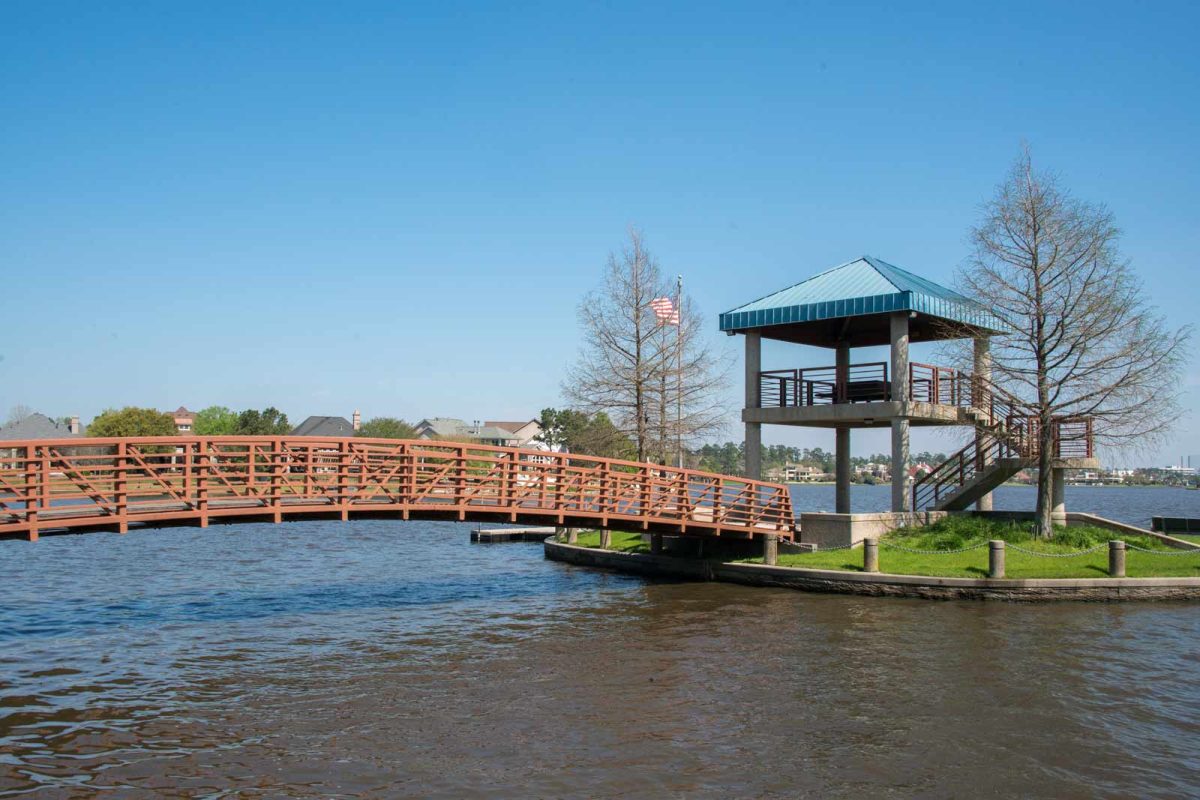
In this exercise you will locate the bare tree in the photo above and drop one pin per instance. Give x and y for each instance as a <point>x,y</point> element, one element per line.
<point>1082,340</point>
<point>18,413</point>
<point>637,370</point>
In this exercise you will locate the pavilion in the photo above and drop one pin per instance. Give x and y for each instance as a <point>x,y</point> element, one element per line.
<point>863,303</point>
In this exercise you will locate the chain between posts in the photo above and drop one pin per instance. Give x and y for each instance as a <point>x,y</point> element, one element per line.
<point>835,549</point>
<point>903,549</point>
<point>1103,546</point>
<point>1162,552</point>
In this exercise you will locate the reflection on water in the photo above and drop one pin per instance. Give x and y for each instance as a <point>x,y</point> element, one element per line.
<point>385,659</point>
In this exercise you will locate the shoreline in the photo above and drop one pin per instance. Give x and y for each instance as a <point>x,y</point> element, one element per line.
<point>878,584</point>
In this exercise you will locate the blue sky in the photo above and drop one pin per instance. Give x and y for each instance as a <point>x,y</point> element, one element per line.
<point>398,207</point>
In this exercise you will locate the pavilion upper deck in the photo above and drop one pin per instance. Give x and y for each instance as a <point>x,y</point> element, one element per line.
<point>866,394</point>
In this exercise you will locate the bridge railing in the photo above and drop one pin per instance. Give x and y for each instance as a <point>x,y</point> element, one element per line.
<point>74,483</point>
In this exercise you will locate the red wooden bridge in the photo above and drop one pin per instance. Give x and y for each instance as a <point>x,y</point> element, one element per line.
<point>110,484</point>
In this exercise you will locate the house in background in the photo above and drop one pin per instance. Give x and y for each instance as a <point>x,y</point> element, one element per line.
<point>184,419</point>
<point>36,426</point>
<point>328,426</point>
<point>451,429</point>
<point>797,473</point>
<point>525,431</point>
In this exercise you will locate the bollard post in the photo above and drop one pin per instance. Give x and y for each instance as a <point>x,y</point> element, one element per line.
<point>870,554</point>
<point>605,538</point>
<point>656,544</point>
<point>1116,559</point>
<point>996,558</point>
<point>770,549</point>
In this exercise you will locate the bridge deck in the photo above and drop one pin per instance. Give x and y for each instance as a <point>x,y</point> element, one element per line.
<point>90,484</point>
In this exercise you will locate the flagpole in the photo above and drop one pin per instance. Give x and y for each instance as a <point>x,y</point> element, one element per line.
<point>679,369</point>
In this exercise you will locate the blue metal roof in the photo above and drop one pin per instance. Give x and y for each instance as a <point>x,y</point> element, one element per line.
<point>864,286</point>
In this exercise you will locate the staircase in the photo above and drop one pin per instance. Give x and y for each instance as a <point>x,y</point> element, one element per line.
<point>970,474</point>
<point>1008,444</point>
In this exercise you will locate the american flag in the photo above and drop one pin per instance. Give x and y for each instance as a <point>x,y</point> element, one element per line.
<point>665,311</point>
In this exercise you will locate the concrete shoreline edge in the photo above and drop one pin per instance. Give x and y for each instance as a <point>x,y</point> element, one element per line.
<point>878,584</point>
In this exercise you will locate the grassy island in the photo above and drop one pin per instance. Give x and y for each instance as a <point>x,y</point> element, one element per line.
<point>1046,558</point>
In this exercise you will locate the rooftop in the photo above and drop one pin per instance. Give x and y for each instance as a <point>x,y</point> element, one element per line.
<point>817,310</point>
<point>35,426</point>
<point>324,426</point>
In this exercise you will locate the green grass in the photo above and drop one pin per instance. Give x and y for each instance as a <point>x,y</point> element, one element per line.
<point>954,533</point>
<point>622,542</point>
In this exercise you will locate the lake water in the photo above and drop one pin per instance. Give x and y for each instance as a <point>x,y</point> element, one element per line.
<point>389,659</point>
<point>1134,505</point>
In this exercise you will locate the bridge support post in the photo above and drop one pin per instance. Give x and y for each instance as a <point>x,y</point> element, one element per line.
<point>1058,496</point>
<point>770,549</point>
<point>656,544</point>
<point>121,488</point>
<point>983,375</point>
<point>753,400</point>
<point>33,491</point>
<point>900,393</point>
<point>605,538</point>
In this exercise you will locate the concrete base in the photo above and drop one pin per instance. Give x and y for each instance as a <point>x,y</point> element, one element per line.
<point>827,530</point>
<point>881,584</point>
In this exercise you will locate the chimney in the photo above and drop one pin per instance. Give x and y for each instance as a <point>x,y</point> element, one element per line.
<point>73,425</point>
<point>357,419</point>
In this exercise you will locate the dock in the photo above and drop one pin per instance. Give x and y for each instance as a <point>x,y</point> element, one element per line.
<point>497,535</point>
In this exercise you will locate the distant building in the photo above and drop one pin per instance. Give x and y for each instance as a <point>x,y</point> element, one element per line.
<point>797,473</point>
<point>324,426</point>
<point>36,426</point>
<point>450,428</point>
<point>184,419</point>
<point>919,469</point>
<point>525,431</point>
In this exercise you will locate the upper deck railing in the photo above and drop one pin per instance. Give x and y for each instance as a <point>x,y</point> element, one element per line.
<point>98,483</point>
<point>864,383</point>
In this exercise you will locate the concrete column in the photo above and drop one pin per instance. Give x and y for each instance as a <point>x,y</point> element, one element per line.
<point>983,371</point>
<point>841,370</point>
<point>841,449</point>
<point>1116,559</point>
<point>754,450</point>
<point>605,539</point>
<point>753,440</point>
<point>1058,496</point>
<point>996,550</point>
<point>841,467</point>
<point>901,500</point>
<point>770,549</point>
<point>870,554</point>
<point>899,325</point>
<point>899,352</point>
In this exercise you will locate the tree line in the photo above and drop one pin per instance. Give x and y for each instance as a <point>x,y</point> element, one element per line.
<point>223,421</point>
<point>730,457</point>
